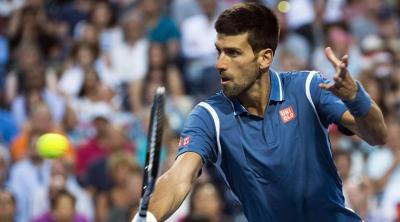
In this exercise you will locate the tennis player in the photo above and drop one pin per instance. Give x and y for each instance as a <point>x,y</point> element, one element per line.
<point>267,131</point>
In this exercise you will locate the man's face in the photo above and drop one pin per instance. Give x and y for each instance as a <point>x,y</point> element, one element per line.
<point>236,63</point>
<point>64,209</point>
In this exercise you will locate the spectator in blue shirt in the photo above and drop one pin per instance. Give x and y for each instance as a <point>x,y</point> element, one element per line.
<point>161,28</point>
<point>267,132</point>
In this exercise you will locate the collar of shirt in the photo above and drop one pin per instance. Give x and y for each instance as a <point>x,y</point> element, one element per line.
<point>276,93</point>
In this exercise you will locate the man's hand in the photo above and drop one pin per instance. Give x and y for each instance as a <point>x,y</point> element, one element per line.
<point>344,85</point>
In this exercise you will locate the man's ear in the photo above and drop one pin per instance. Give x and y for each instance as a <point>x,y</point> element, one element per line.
<point>265,58</point>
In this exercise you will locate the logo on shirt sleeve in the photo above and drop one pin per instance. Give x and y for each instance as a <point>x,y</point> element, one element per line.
<point>184,141</point>
<point>287,114</point>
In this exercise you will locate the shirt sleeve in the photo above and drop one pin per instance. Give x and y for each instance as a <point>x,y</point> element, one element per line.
<point>329,107</point>
<point>198,135</point>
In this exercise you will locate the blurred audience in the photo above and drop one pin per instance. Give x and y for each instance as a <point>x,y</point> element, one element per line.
<point>83,56</point>
<point>340,40</point>
<point>160,27</point>
<point>33,91</point>
<point>129,60</point>
<point>206,202</point>
<point>98,177</point>
<point>198,36</point>
<point>89,69</point>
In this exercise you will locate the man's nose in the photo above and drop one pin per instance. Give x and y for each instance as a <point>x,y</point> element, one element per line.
<point>221,63</point>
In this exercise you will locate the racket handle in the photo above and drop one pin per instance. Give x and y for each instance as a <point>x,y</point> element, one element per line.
<point>149,217</point>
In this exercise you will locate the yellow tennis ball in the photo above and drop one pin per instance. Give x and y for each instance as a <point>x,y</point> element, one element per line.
<point>52,145</point>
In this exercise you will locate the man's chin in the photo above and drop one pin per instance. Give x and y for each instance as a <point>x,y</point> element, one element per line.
<point>229,92</point>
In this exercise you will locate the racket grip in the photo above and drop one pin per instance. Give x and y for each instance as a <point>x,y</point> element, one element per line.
<point>148,218</point>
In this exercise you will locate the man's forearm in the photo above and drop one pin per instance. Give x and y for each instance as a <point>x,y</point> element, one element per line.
<point>174,185</point>
<point>168,196</point>
<point>366,119</point>
<point>371,127</point>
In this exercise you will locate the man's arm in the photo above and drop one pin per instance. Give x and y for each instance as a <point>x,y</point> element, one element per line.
<point>370,127</point>
<point>174,185</point>
<point>364,117</point>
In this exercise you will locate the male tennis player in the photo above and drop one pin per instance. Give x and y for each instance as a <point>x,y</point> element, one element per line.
<point>267,131</point>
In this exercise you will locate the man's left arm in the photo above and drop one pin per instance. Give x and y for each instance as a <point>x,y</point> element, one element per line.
<point>370,127</point>
<point>364,118</point>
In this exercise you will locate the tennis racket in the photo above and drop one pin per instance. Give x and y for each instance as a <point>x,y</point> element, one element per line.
<point>153,151</point>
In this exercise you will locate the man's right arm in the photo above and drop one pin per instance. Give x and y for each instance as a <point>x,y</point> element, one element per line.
<point>174,185</point>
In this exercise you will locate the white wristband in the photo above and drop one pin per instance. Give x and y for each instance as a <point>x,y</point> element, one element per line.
<point>149,217</point>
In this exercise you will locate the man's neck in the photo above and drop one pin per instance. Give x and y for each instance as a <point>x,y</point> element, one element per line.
<point>256,98</point>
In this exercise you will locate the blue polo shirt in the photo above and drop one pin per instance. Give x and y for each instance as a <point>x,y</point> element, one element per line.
<point>280,165</point>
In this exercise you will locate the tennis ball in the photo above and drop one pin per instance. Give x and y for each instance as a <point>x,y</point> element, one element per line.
<point>52,145</point>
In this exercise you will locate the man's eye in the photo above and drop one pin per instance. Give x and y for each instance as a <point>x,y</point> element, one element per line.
<point>232,53</point>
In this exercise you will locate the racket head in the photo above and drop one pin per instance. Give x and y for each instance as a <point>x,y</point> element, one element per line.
<point>154,139</point>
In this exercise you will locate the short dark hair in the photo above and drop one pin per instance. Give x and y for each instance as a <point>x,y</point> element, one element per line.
<point>63,192</point>
<point>258,20</point>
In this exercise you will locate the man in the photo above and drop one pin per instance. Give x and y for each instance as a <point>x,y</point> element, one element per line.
<point>267,132</point>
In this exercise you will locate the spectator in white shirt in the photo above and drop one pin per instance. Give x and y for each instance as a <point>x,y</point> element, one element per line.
<point>198,36</point>
<point>129,56</point>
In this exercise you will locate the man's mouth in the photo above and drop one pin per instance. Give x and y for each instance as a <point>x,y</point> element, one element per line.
<point>225,79</point>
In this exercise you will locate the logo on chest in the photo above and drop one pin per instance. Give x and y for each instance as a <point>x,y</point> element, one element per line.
<point>287,114</point>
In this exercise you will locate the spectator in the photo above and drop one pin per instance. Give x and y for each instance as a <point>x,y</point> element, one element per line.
<point>160,73</point>
<point>7,206</point>
<point>132,47</point>
<point>83,56</point>
<point>27,57</point>
<point>384,170</point>
<point>70,12</point>
<point>61,179</point>
<point>293,51</point>
<point>300,18</point>
<point>340,40</point>
<point>129,60</point>
<point>101,145</point>
<point>89,96</point>
<point>366,23</point>
<point>35,92</point>
<point>98,178</point>
<point>103,18</point>
<point>160,28</point>
<point>198,36</point>
<point>88,33</point>
<point>26,176</point>
<point>62,209</point>
<point>96,146</point>
<point>343,163</point>
<point>206,201</point>
<point>125,194</point>
<point>29,25</point>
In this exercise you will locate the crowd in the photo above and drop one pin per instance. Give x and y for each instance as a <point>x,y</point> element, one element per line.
<point>89,69</point>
